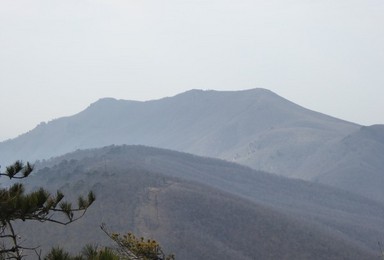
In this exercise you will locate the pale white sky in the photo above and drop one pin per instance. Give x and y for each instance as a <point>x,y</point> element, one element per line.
<point>57,57</point>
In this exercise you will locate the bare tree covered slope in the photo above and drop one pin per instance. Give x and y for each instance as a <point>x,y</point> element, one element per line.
<point>194,194</point>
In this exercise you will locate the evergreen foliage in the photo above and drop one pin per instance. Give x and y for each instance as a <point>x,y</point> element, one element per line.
<point>88,253</point>
<point>40,205</point>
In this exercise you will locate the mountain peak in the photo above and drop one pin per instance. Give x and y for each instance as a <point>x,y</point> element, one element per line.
<point>211,91</point>
<point>105,100</point>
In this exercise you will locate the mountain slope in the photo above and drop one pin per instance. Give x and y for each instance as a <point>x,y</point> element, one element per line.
<point>202,208</point>
<point>345,215</point>
<point>356,163</point>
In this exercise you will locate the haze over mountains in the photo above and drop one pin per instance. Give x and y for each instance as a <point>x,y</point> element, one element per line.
<point>254,127</point>
<point>235,175</point>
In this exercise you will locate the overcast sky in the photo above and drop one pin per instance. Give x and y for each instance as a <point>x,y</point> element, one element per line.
<point>57,57</point>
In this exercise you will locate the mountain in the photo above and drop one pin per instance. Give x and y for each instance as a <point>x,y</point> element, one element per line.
<point>202,208</point>
<point>253,127</point>
<point>211,123</point>
<point>356,163</point>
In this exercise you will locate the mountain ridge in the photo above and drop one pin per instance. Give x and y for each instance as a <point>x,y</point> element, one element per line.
<point>253,127</point>
<point>170,107</point>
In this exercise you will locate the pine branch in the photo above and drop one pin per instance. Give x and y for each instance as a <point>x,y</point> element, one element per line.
<point>39,205</point>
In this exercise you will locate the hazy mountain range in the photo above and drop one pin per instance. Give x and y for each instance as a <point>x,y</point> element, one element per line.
<point>255,127</point>
<point>235,175</point>
<point>202,208</point>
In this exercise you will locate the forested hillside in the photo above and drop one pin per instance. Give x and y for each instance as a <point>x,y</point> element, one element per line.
<point>202,208</point>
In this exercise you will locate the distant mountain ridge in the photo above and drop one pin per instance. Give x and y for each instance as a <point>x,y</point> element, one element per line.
<point>253,127</point>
